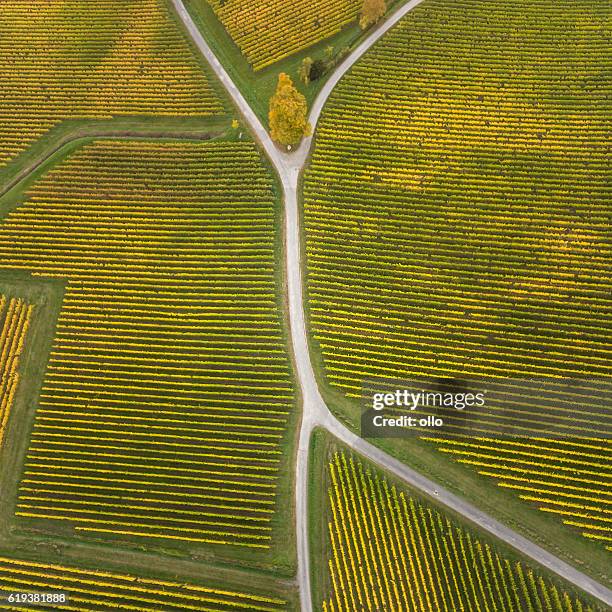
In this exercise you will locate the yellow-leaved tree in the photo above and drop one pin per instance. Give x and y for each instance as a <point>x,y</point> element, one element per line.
<point>287,116</point>
<point>371,12</point>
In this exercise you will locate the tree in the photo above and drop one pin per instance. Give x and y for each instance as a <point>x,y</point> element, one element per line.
<point>287,116</point>
<point>304,71</point>
<point>371,12</point>
<point>317,70</point>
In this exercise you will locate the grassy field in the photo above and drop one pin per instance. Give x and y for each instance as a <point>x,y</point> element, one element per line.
<point>167,400</point>
<point>63,60</point>
<point>385,548</point>
<point>461,231</point>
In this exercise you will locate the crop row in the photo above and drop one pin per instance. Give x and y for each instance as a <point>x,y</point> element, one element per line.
<point>268,31</point>
<point>389,552</point>
<point>167,392</point>
<point>15,317</point>
<point>69,60</point>
<point>456,216</point>
<point>566,478</point>
<point>101,590</point>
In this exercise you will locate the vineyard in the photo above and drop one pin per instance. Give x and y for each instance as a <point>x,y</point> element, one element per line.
<point>69,59</point>
<point>390,552</point>
<point>165,401</point>
<point>267,32</point>
<point>569,478</point>
<point>193,313</point>
<point>101,590</point>
<point>15,317</point>
<point>456,212</point>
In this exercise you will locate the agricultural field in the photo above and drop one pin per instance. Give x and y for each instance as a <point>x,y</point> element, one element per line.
<point>67,60</point>
<point>201,276</point>
<point>102,590</point>
<point>387,550</point>
<point>456,212</point>
<point>267,32</point>
<point>15,317</point>
<point>568,478</point>
<point>164,408</point>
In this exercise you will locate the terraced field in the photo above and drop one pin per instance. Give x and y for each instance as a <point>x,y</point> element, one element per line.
<point>456,214</point>
<point>66,59</point>
<point>15,317</point>
<point>267,32</point>
<point>166,397</point>
<point>390,552</point>
<point>101,590</point>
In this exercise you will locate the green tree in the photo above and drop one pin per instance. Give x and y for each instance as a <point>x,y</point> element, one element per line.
<point>287,116</point>
<point>371,12</point>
